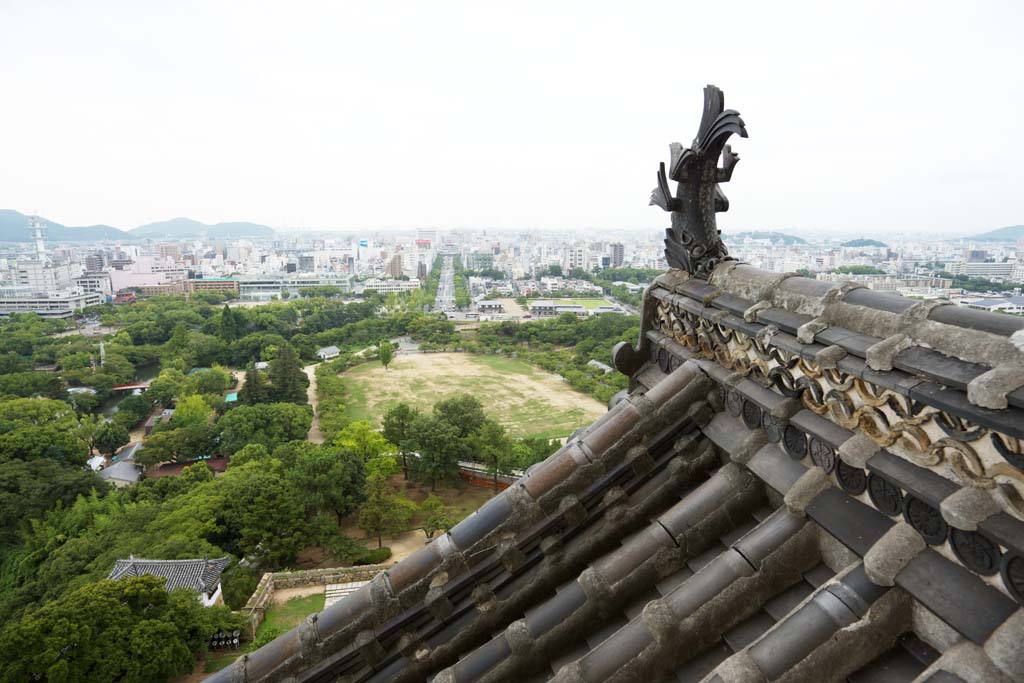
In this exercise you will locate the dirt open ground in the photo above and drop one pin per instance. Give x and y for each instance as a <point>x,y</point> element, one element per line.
<point>526,399</point>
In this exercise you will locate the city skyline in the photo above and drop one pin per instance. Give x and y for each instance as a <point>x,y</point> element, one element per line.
<point>334,117</point>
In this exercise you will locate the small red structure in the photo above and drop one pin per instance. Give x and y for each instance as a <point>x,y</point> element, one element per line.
<point>131,387</point>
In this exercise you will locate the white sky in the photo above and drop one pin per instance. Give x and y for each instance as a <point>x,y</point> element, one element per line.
<point>867,117</point>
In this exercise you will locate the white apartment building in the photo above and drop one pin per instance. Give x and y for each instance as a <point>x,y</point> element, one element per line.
<point>391,286</point>
<point>59,304</point>
<point>267,287</point>
<point>999,271</point>
<point>98,282</point>
<point>44,276</point>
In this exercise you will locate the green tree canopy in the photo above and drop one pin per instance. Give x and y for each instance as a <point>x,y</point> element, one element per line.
<point>213,380</point>
<point>270,424</point>
<point>436,516</point>
<point>439,446</point>
<point>331,479</point>
<point>178,444</point>
<point>398,423</point>
<point>131,631</point>
<point>361,439</point>
<point>255,389</point>
<point>386,511</point>
<point>110,436</point>
<point>386,353</point>
<point>166,387</point>
<point>190,412</point>
<point>464,412</point>
<point>287,379</point>
<point>28,490</point>
<point>493,447</point>
<point>40,428</point>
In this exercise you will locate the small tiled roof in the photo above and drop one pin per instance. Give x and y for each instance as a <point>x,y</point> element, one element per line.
<point>201,575</point>
<point>329,349</point>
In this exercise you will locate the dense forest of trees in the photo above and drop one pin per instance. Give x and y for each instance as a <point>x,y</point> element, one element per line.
<point>62,526</point>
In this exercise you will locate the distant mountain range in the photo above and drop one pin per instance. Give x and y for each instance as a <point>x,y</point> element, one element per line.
<point>863,242</point>
<point>776,237</point>
<point>177,228</point>
<point>1010,233</point>
<point>14,228</point>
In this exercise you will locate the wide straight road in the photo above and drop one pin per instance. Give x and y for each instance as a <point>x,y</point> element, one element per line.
<point>445,300</point>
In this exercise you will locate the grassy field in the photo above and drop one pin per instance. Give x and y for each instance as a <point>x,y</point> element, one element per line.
<point>282,617</point>
<point>525,399</point>
<point>285,616</point>
<point>586,303</point>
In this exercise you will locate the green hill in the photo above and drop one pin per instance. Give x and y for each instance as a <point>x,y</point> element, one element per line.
<point>1010,233</point>
<point>14,228</point>
<point>179,228</point>
<point>862,242</point>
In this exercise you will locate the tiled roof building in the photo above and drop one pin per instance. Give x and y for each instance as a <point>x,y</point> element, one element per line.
<point>199,575</point>
<point>806,481</point>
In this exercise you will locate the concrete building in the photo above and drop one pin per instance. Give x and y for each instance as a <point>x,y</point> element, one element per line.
<point>391,286</point>
<point>267,287</point>
<point>62,304</point>
<point>618,252</point>
<point>989,271</point>
<point>98,282</point>
<point>212,284</point>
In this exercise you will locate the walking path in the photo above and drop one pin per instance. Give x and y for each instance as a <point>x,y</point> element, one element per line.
<point>315,435</point>
<point>285,594</point>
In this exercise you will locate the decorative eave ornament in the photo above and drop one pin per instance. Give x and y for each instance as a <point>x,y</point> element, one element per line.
<point>693,243</point>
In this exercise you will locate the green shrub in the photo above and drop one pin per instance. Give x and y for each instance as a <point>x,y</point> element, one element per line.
<point>266,634</point>
<point>373,556</point>
<point>239,583</point>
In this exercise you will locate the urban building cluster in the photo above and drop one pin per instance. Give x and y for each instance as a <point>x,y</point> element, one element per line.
<point>56,281</point>
<point>68,277</point>
<point>919,268</point>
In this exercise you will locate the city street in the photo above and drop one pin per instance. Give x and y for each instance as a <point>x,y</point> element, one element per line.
<point>445,300</point>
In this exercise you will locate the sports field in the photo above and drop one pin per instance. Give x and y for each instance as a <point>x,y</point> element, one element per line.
<point>526,399</point>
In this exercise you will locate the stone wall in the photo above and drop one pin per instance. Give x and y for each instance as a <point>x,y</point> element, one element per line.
<point>256,607</point>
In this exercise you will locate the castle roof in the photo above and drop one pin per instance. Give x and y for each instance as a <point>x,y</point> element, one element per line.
<point>805,481</point>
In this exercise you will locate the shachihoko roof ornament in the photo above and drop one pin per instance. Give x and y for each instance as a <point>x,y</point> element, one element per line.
<point>693,243</point>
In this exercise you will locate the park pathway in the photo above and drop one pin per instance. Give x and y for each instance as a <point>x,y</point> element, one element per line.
<point>315,435</point>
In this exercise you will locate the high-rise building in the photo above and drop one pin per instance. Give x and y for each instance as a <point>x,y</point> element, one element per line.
<point>170,251</point>
<point>618,250</point>
<point>394,269</point>
<point>575,257</point>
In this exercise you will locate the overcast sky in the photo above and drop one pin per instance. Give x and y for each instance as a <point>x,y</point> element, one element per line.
<point>863,117</point>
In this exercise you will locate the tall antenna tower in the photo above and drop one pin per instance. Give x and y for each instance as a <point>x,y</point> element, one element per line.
<point>38,227</point>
